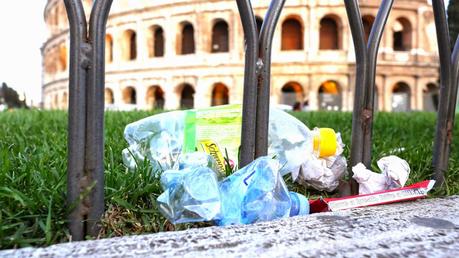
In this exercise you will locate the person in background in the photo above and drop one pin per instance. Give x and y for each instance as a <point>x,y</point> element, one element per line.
<point>297,106</point>
<point>305,106</point>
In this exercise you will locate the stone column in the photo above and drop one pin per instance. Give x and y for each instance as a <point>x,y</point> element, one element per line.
<point>141,91</point>
<point>142,46</point>
<point>171,96</point>
<point>202,97</point>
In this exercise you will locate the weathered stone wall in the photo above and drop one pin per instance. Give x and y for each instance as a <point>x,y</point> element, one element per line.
<point>310,67</point>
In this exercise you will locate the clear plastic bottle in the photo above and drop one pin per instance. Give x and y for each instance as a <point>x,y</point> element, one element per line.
<point>255,193</point>
<point>162,138</point>
<point>258,192</point>
<point>190,195</point>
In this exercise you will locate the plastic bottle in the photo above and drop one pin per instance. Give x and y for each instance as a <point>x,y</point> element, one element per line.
<point>162,138</point>
<point>258,192</point>
<point>255,193</point>
<point>190,195</point>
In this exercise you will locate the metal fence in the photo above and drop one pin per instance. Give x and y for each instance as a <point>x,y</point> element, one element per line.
<point>86,98</point>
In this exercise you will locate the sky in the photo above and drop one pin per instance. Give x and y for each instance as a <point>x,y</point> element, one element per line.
<point>23,33</point>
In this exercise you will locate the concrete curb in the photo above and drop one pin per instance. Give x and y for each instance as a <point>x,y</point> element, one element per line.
<point>421,228</point>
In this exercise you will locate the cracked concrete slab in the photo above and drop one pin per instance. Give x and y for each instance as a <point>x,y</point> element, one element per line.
<point>427,228</point>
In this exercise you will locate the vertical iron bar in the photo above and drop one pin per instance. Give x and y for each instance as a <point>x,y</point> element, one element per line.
<point>264,78</point>
<point>95,114</point>
<point>373,47</point>
<point>249,25</point>
<point>361,62</point>
<point>453,97</point>
<point>366,60</point>
<point>86,117</point>
<point>445,120</point>
<point>77,115</point>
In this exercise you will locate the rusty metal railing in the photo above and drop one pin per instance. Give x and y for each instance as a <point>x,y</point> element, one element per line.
<point>257,79</point>
<point>449,79</point>
<point>85,179</point>
<point>86,107</point>
<point>365,58</point>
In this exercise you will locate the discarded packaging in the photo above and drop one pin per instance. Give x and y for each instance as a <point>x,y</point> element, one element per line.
<point>258,192</point>
<point>195,159</point>
<point>395,172</point>
<point>408,193</point>
<point>396,169</point>
<point>323,173</point>
<point>314,157</point>
<point>190,195</point>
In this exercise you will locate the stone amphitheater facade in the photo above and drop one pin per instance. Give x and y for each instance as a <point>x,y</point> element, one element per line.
<point>189,53</point>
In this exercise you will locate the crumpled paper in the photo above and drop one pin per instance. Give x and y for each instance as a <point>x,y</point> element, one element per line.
<point>395,173</point>
<point>323,174</point>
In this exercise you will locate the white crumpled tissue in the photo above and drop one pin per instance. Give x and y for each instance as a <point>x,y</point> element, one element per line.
<point>323,174</point>
<point>395,172</point>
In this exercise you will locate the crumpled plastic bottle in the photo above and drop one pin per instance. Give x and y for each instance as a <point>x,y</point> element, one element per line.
<point>195,159</point>
<point>258,192</point>
<point>255,193</point>
<point>314,157</point>
<point>190,195</point>
<point>158,138</point>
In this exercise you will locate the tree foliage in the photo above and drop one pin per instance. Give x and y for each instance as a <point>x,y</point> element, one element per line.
<point>10,97</point>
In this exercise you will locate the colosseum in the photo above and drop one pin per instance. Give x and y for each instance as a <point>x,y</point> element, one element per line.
<point>190,53</point>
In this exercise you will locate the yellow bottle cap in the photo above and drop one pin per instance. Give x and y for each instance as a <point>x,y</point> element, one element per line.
<point>325,142</point>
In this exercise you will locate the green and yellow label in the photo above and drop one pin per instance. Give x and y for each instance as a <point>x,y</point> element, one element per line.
<point>211,148</point>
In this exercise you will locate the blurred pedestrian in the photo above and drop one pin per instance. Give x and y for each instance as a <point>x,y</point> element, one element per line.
<point>297,106</point>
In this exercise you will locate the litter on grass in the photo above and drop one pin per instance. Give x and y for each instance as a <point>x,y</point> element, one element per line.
<point>313,157</point>
<point>197,148</point>
<point>395,173</point>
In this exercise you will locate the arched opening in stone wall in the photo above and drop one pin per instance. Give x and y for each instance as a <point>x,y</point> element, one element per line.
<point>367,21</point>
<point>155,97</point>
<point>186,96</point>
<point>259,22</point>
<point>292,93</point>
<point>108,48</point>
<point>65,101</point>
<point>108,96</point>
<point>220,94</point>
<point>401,97</point>
<point>187,45</point>
<point>155,41</point>
<point>62,57</point>
<point>220,37</point>
<point>329,38</point>
<point>330,96</point>
<point>129,95</point>
<point>431,96</point>
<point>129,46</point>
<point>402,34</point>
<point>292,35</point>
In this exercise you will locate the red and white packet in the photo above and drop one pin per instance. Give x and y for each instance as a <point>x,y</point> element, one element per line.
<point>407,193</point>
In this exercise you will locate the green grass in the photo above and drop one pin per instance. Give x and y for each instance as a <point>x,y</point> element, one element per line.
<point>33,149</point>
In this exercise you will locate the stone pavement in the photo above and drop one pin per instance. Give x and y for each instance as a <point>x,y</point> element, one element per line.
<point>426,228</point>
